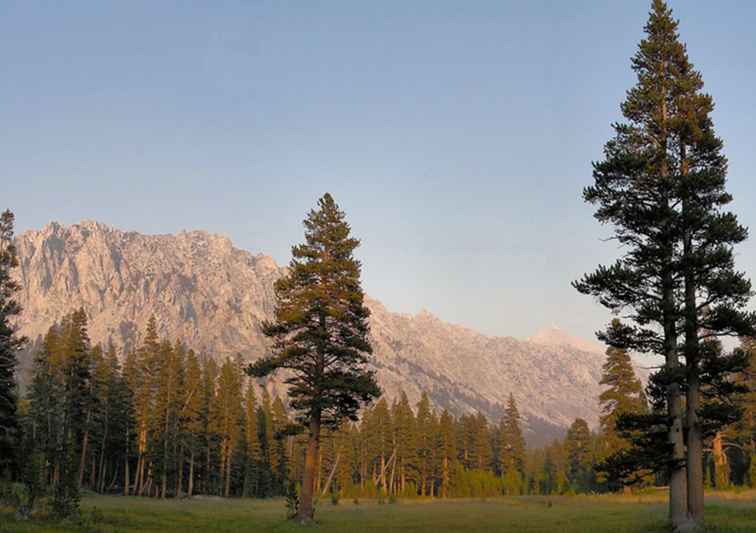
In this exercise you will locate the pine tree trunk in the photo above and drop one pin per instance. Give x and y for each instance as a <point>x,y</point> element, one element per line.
<point>126,480</point>
<point>142,448</point>
<point>207,469</point>
<point>678,508</point>
<point>190,488</point>
<point>318,468</point>
<point>222,477</point>
<point>330,476</point>
<point>85,443</point>
<point>445,477</point>
<point>721,469</point>
<point>695,451</point>
<point>227,491</point>
<point>93,472</point>
<point>179,473</point>
<point>383,472</point>
<point>138,476</point>
<point>101,478</point>
<point>392,487</point>
<point>306,510</point>
<point>101,484</point>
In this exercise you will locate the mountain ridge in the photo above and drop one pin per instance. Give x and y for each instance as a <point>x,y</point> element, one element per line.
<point>214,297</point>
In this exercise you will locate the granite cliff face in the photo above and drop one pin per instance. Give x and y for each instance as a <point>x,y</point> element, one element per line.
<point>214,297</point>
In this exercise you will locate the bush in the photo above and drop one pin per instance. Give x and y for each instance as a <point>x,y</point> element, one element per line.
<point>292,500</point>
<point>13,494</point>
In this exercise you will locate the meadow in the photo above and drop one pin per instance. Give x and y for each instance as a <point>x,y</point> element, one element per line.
<point>726,512</point>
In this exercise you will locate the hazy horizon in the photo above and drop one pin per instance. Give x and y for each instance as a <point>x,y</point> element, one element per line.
<point>457,138</point>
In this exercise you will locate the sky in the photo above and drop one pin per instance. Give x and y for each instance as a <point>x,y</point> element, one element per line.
<point>457,136</point>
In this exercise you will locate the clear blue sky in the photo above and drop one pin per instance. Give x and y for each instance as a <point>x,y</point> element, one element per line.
<point>456,135</point>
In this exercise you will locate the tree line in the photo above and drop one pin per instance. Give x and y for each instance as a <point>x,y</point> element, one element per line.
<point>171,423</point>
<point>168,422</point>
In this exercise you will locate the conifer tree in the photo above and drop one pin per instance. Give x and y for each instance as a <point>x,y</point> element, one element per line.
<point>321,333</point>
<point>405,438</point>
<point>45,395</point>
<point>623,394</point>
<point>744,431</point>
<point>146,389</point>
<point>254,450</point>
<point>424,445</point>
<point>266,438</point>
<point>131,384</point>
<point>482,442</point>
<point>716,295</point>
<point>636,191</point>
<point>447,449</point>
<point>191,415</point>
<point>10,343</point>
<point>120,423</point>
<point>209,376</point>
<point>512,448</point>
<point>579,461</point>
<point>225,416</point>
<point>167,407</point>
<point>281,431</point>
<point>622,397</point>
<point>378,427</point>
<point>75,399</point>
<point>662,185</point>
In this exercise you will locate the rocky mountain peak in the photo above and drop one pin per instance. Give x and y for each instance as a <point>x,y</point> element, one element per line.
<point>555,336</point>
<point>214,297</point>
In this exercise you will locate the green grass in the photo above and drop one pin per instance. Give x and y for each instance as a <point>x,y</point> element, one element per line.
<point>530,514</point>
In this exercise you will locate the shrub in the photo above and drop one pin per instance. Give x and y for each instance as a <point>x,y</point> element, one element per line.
<point>292,500</point>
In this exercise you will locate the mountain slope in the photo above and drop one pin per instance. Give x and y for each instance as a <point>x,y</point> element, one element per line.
<point>214,297</point>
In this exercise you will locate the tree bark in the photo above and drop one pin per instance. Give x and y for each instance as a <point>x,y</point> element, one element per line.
<point>83,458</point>
<point>126,476</point>
<point>179,473</point>
<point>678,508</point>
<point>306,511</point>
<point>207,468</point>
<point>190,488</point>
<point>330,476</point>
<point>695,450</point>
<point>721,469</point>
<point>227,490</point>
<point>444,476</point>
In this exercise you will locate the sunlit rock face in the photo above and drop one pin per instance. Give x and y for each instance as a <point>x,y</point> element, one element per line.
<point>214,298</point>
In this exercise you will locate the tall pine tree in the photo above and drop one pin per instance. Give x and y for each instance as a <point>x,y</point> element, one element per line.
<point>321,333</point>
<point>511,448</point>
<point>10,343</point>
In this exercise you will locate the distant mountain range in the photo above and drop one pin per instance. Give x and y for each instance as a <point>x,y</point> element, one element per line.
<point>214,297</point>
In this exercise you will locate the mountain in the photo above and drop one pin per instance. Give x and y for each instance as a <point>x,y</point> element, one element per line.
<point>554,336</point>
<point>214,297</point>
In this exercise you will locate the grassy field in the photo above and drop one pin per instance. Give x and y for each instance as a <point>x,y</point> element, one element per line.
<point>615,514</point>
